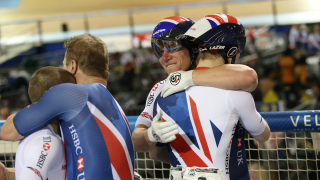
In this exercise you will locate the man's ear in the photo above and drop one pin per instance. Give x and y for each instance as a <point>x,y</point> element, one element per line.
<point>74,67</point>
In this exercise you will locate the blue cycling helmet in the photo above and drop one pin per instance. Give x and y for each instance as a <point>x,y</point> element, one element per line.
<point>167,36</point>
<point>218,33</point>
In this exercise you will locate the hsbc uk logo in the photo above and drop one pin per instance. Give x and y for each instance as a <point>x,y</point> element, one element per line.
<point>46,146</point>
<point>175,78</point>
<point>239,142</point>
<point>80,163</point>
<point>78,151</point>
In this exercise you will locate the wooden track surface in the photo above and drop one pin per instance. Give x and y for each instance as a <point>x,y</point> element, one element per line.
<point>36,9</point>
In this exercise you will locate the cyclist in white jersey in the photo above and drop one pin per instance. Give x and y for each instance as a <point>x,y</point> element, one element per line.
<point>41,155</point>
<point>216,140</point>
<point>175,55</point>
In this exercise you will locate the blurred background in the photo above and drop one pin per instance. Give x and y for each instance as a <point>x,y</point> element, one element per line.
<point>283,46</point>
<point>283,43</point>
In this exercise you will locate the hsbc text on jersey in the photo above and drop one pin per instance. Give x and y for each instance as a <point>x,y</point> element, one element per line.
<point>76,140</point>
<point>76,143</point>
<point>42,159</point>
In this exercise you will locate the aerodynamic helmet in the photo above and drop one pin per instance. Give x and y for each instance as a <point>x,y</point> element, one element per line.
<point>218,33</point>
<point>167,36</point>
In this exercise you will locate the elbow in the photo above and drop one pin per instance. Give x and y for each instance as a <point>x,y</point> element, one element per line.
<point>139,144</point>
<point>251,79</point>
<point>135,143</point>
<point>3,135</point>
<point>265,137</point>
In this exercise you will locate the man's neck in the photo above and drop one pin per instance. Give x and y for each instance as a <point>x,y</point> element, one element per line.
<point>84,79</point>
<point>209,63</point>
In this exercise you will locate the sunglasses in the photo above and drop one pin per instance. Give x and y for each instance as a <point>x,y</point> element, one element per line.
<point>159,46</point>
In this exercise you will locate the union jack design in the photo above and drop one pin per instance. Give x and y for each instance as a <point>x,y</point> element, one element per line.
<point>175,19</point>
<point>37,172</point>
<point>147,115</point>
<point>185,150</point>
<point>124,116</point>
<point>209,22</point>
<point>167,24</point>
<point>217,19</point>
<point>116,145</point>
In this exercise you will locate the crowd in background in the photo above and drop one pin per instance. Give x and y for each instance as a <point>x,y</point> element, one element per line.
<point>290,75</point>
<point>287,67</point>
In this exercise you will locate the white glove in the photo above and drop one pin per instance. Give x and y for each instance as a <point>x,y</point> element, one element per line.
<point>162,131</point>
<point>177,81</point>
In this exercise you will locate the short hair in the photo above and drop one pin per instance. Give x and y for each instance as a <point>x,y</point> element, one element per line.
<point>90,52</point>
<point>45,78</point>
<point>205,55</point>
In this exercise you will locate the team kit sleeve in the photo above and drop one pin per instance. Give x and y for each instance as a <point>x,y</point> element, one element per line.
<point>251,120</point>
<point>147,115</point>
<point>61,102</point>
<point>40,157</point>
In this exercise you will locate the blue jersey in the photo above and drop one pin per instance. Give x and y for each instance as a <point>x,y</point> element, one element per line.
<point>96,133</point>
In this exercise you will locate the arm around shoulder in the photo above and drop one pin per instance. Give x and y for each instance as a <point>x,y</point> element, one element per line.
<point>227,76</point>
<point>8,131</point>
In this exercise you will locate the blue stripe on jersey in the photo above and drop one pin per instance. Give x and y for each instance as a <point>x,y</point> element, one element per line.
<point>238,168</point>
<point>109,108</point>
<point>217,133</point>
<point>161,28</point>
<point>69,165</point>
<point>212,23</point>
<point>176,106</point>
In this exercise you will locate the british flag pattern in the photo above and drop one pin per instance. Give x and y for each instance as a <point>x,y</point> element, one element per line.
<point>167,24</point>
<point>37,172</point>
<point>209,22</point>
<point>211,132</point>
<point>95,130</point>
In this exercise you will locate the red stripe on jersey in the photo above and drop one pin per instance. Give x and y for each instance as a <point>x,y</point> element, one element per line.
<point>116,152</point>
<point>125,118</point>
<point>177,18</point>
<point>199,128</point>
<point>232,19</point>
<point>198,68</point>
<point>218,18</point>
<point>185,152</point>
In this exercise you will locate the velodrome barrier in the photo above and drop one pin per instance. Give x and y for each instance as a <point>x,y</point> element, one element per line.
<point>290,153</point>
<point>277,121</point>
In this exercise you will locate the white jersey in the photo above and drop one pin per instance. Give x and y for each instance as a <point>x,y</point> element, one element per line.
<point>212,124</point>
<point>41,156</point>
